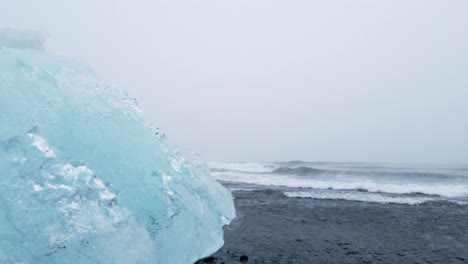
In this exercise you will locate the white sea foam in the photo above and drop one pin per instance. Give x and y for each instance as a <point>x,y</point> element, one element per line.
<point>453,188</point>
<point>361,196</point>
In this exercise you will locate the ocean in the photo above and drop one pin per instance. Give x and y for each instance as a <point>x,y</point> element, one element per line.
<point>368,182</point>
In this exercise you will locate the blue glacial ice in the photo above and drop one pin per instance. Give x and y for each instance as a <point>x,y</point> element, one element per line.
<point>83,178</point>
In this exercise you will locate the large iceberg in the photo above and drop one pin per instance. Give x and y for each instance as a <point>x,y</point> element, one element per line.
<point>83,179</point>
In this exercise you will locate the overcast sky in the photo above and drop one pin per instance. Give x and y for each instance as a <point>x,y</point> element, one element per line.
<point>256,80</point>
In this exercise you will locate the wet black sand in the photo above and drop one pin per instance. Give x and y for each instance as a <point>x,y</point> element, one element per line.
<point>272,228</point>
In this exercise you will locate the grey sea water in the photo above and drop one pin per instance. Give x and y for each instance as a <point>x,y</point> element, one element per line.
<point>372,182</point>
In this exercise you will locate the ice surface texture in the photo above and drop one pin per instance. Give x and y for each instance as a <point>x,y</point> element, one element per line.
<point>22,39</point>
<point>83,179</point>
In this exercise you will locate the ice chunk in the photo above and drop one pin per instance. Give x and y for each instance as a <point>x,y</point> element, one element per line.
<point>22,39</point>
<point>83,179</point>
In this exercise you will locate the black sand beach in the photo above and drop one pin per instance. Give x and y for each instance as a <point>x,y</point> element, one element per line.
<point>273,228</point>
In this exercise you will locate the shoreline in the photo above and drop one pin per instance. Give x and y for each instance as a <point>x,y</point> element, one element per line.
<point>273,228</point>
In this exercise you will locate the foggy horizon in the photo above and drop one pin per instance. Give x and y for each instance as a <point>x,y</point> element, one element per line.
<point>335,81</point>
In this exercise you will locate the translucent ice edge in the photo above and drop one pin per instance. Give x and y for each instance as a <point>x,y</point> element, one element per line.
<point>22,39</point>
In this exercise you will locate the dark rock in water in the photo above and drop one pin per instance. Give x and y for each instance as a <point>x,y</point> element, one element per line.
<point>301,171</point>
<point>361,190</point>
<point>244,258</point>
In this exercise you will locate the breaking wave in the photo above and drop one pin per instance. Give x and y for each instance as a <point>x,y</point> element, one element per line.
<point>379,182</point>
